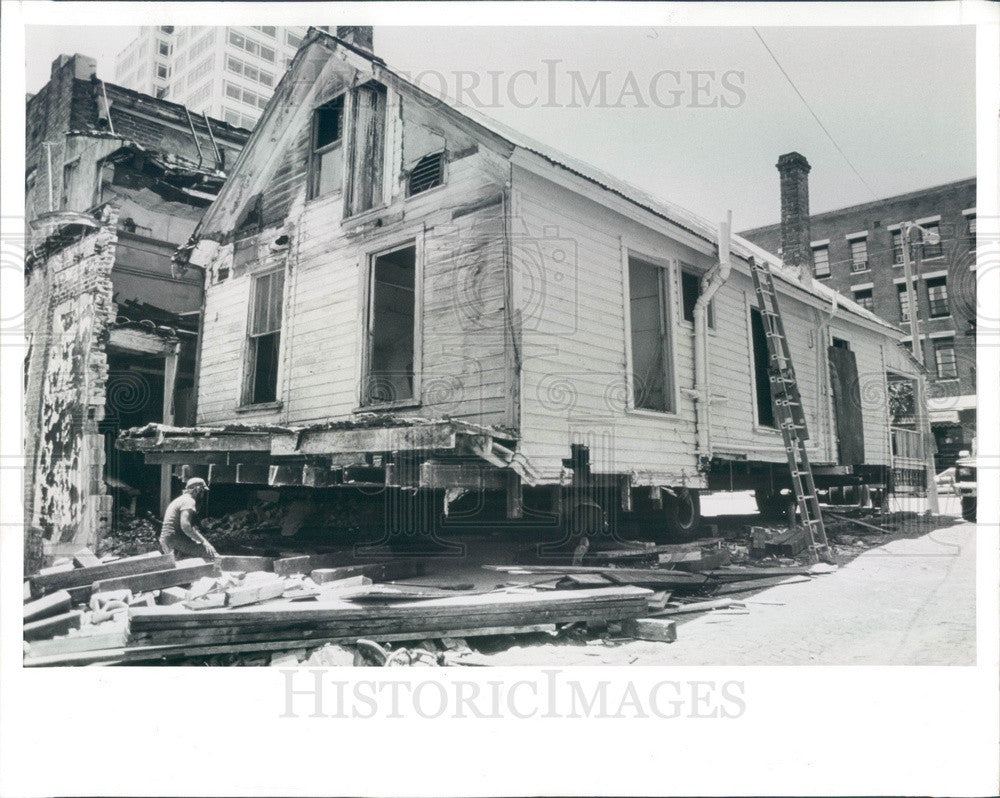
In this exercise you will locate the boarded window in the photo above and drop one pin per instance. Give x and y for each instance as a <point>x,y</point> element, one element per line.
<point>265,337</point>
<point>897,246</point>
<point>863,296</point>
<point>391,322</point>
<point>364,190</point>
<point>859,254</point>
<point>652,362</point>
<point>428,173</point>
<point>327,153</point>
<point>761,371</point>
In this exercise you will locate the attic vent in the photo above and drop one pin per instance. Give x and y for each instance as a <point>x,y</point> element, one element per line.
<point>428,172</point>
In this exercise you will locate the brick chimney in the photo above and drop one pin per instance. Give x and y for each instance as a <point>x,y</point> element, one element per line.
<point>84,67</point>
<point>795,235</point>
<point>361,36</point>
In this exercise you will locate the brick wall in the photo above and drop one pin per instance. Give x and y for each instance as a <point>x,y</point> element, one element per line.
<point>876,219</point>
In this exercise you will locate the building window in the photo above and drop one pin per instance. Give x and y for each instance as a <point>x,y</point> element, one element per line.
<point>161,91</point>
<point>250,46</point>
<point>163,48</point>
<point>652,352</point>
<point>932,232</point>
<point>937,296</point>
<point>970,231</point>
<point>236,119</point>
<point>267,30</point>
<point>863,296</point>
<point>904,302</point>
<point>859,254</point>
<point>897,247</point>
<point>69,174</point>
<point>293,40</point>
<point>690,291</point>
<point>821,261</point>
<point>392,314</point>
<point>167,28</point>
<point>427,173</point>
<point>761,370</point>
<point>162,71</point>
<point>248,71</point>
<point>945,360</point>
<point>265,338</point>
<point>327,152</point>
<point>198,95</point>
<point>364,180</point>
<point>199,71</point>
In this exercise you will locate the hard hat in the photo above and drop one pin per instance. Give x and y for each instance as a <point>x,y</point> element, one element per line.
<point>196,482</point>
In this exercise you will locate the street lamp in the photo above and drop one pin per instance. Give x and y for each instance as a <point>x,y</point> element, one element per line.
<point>923,417</point>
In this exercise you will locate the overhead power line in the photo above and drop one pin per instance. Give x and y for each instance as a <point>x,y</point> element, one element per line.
<point>814,115</point>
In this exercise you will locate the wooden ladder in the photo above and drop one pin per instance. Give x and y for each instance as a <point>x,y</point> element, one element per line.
<point>787,403</point>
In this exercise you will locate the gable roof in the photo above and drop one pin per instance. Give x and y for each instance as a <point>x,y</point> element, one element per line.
<point>292,89</point>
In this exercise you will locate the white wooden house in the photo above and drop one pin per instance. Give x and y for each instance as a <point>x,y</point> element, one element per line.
<point>402,292</point>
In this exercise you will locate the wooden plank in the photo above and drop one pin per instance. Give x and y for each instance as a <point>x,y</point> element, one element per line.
<point>186,572</point>
<point>255,593</point>
<point>207,458</point>
<point>471,476</point>
<point>56,625</point>
<point>739,574</point>
<point>171,595</point>
<point>80,577</point>
<point>76,644</point>
<point>636,576</point>
<point>245,564</point>
<point>757,584</point>
<point>85,558</point>
<point>56,603</point>
<point>288,566</point>
<point>328,577</point>
<point>698,606</point>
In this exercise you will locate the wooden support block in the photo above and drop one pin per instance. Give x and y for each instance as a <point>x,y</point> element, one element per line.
<point>183,574</point>
<point>84,577</point>
<point>59,568</point>
<point>171,595</point>
<point>246,564</point>
<point>658,600</point>
<point>76,644</point>
<point>515,496</point>
<point>292,565</point>
<point>27,591</point>
<point>56,625</point>
<point>85,558</point>
<point>54,604</point>
<point>255,593</point>
<point>653,629</point>
<point>788,544</point>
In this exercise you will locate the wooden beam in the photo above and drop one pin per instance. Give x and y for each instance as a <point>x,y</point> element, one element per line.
<point>130,340</point>
<point>229,442</point>
<point>470,476</point>
<point>80,577</point>
<point>85,558</point>
<point>228,562</point>
<point>207,458</point>
<point>376,439</point>
<point>54,604</point>
<point>169,388</point>
<point>186,572</point>
<point>56,625</point>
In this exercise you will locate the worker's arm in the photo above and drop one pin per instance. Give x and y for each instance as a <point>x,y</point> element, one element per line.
<point>189,529</point>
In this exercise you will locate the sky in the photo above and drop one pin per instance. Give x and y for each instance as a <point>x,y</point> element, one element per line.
<point>697,116</point>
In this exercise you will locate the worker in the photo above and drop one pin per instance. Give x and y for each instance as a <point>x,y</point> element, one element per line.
<point>179,533</point>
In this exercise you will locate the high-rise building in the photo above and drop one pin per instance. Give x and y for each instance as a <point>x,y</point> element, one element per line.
<point>227,72</point>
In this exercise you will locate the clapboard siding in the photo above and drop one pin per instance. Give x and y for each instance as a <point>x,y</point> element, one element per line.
<point>458,229</point>
<point>574,339</point>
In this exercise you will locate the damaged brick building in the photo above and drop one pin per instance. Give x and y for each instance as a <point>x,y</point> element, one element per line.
<point>115,181</point>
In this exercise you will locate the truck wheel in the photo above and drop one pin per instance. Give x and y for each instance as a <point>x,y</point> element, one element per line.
<point>682,513</point>
<point>969,508</point>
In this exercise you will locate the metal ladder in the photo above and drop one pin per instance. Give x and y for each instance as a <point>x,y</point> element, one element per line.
<point>787,403</point>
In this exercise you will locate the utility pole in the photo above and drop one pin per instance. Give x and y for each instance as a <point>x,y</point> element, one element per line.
<point>920,402</point>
